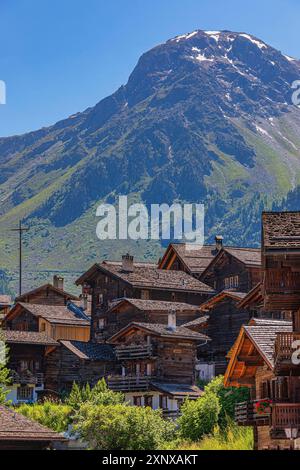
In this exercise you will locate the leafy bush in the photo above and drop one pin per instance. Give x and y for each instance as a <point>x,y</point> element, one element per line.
<point>98,395</point>
<point>228,398</point>
<point>53,416</point>
<point>121,427</point>
<point>199,417</point>
<point>231,438</point>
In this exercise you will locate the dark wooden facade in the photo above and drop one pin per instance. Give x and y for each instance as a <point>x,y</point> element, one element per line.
<point>108,282</point>
<point>48,294</point>
<point>266,354</point>
<point>76,362</point>
<point>148,311</point>
<point>223,325</point>
<point>156,354</point>
<point>234,268</point>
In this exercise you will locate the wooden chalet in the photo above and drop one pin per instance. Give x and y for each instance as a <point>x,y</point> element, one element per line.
<point>57,322</point>
<point>49,294</point>
<point>178,257</point>
<point>26,362</point>
<point>109,281</point>
<point>125,311</point>
<point>234,268</point>
<point>281,260</point>
<point>20,433</point>
<point>256,362</point>
<point>80,362</point>
<point>253,302</point>
<point>265,356</point>
<point>156,364</point>
<point>221,320</point>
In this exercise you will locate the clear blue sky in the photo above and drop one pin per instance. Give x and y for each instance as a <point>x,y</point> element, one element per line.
<point>59,57</point>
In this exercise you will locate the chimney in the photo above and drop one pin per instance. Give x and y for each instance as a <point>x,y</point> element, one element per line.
<point>219,242</point>
<point>127,263</point>
<point>58,282</point>
<point>172,320</point>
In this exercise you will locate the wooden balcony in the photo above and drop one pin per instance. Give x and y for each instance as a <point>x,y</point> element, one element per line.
<point>246,415</point>
<point>282,289</point>
<point>134,352</point>
<point>283,353</point>
<point>127,383</point>
<point>27,378</point>
<point>284,416</point>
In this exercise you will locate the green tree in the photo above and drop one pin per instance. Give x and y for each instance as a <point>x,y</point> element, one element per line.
<point>121,427</point>
<point>228,398</point>
<point>4,372</point>
<point>98,395</point>
<point>199,417</point>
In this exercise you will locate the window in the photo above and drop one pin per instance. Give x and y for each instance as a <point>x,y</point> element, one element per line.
<point>25,393</point>
<point>24,365</point>
<point>163,402</point>
<point>137,401</point>
<point>101,323</point>
<point>173,296</point>
<point>148,400</point>
<point>231,282</point>
<point>100,299</point>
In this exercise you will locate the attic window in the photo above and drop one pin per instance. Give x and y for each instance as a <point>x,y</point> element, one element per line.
<point>231,282</point>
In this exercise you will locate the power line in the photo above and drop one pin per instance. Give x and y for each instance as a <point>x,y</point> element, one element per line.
<point>20,230</point>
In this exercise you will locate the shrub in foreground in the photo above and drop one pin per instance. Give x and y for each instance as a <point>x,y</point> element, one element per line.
<point>199,417</point>
<point>121,427</point>
<point>53,416</point>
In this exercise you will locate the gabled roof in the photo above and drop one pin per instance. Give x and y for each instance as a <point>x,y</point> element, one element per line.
<point>281,230</point>
<point>90,351</point>
<point>198,322</point>
<point>250,257</point>
<point>155,305</point>
<point>45,287</point>
<point>210,303</point>
<point>161,330</point>
<point>149,278</point>
<point>27,337</point>
<point>16,427</point>
<point>59,314</point>
<point>253,298</point>
<point>195,261</point>
<point>260,336</point>
<point>178,390</point>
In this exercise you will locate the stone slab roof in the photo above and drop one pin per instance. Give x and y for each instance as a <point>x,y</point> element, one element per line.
<point>90,351</point>
<point>281,230</point>
<point>16,427</point>
<point>54,314</point>
<point>28,337</point>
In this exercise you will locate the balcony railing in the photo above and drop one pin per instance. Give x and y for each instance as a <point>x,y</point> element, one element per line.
<point>133,352</point>
<point>284,348</point>
<point>129,383</point>
<point>27,377</point>
<point>285,415</point>
<point>246,414</point>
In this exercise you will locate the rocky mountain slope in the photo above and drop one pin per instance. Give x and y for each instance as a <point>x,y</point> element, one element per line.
<point>205,117</point>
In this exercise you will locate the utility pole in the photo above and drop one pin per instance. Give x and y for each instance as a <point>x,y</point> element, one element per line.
<point>20,230</point>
